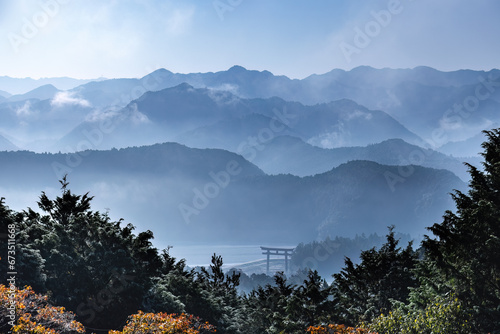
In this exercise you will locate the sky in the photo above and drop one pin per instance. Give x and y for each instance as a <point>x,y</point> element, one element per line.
<point>130,38</point>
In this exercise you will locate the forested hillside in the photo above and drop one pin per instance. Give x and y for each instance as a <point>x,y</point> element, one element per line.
<point>103,272</point>
<point>287,154</point>
<point>215,196</point>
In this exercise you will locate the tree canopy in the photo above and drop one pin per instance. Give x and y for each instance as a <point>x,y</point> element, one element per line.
<point>466,246</point>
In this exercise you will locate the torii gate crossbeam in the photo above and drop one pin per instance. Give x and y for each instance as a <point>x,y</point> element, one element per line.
<point>279,252</point>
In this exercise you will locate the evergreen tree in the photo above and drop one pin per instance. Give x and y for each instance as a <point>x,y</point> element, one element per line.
<point>91,265</point>
<point>466,247</point>
<point>208,293</point>
<point>14,248</point>
<point>364,291</point>
<point>313,297</point>
<point>269,310</point>
<point>223,295</point>
<point>288,308</point>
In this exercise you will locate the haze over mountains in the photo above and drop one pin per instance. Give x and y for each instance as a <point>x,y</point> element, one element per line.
<point>44,92</point>
<point>418,98</point>
<point>422,100</point>
<point>6,145</point>
<point>199,156</point>
<point>192,195</point>
<point>205,118</point>
<point>287,154</point>
<point>23,85</point>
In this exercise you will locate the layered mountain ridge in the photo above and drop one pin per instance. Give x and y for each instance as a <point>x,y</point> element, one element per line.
<point>243,156</point>
<point>199,195</point>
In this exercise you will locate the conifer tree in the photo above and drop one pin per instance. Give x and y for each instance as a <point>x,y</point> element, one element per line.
<point>364,291</point>
<point>466,246</point>
<point>15,250</point>
<point>91,265</point>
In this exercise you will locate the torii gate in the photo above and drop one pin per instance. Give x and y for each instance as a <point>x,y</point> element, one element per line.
<point>277,251</point>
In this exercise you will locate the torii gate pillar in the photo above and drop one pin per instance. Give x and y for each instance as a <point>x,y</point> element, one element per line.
<point>279,252</point>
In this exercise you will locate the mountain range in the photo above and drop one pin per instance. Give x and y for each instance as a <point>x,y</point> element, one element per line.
<point>291,155</point>
<point>204,118</point>
<point>243,156</point>
<point>211,195</point>
<point>438,107</point>
<point>36,125</point>
<point>419,98</point>
<point>44,92</point>
<point>16,86</point>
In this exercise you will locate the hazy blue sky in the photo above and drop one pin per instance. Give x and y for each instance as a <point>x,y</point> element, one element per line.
<point>127,38</point>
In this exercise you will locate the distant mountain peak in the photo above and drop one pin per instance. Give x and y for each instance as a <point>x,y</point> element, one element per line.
<point>346,103</point>
<point>47,87</point>
<point>237,68</point>
<point>160,71</point>
<point>425,68</point>
<point>396,141</point>
<point>43,92</point>
<point>362,68</point>
<point>240,70</point>
<point>183,87</point>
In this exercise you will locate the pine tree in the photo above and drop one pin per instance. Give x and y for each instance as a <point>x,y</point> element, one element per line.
<point>466,247</point>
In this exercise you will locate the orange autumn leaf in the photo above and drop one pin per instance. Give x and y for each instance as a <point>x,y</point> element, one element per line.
<point>164,323</point>
<point>33,313</point>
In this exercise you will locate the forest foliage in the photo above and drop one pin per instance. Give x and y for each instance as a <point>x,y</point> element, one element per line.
<point>79,271</point>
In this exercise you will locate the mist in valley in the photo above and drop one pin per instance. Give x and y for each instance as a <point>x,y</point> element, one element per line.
<point>215,159</point>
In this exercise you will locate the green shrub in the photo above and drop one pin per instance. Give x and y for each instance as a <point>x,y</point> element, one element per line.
<point>444,315</point>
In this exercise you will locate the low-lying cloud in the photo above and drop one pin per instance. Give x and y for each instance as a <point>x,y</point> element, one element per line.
<point>25,110</point>
<point>64,98</point>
